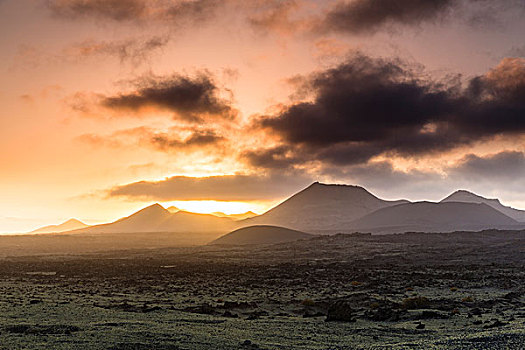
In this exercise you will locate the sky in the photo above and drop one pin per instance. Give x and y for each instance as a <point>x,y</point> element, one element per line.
<point>107,106</point>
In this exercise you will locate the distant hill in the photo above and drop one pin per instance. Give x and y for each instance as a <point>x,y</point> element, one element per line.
<point>469,197</point>
<point>322,208</point>
<point>242,216</point>
<point>157,219</point>
<point>433,217</point>
<point>262,234</point>
<point>69,225</point>
<point>173,209</point>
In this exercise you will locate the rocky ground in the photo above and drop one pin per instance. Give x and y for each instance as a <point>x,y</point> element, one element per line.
<point>412,291</point>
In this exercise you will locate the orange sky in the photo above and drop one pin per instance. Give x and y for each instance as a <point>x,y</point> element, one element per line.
<point>70,137</point>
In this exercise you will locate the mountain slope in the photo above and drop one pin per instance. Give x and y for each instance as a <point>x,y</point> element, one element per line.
<point>322,208</point>
<point>157,219</point>
<point>262,234</point>
<point>69,225</point>
<point>433,217</point>
<point>469,197</point>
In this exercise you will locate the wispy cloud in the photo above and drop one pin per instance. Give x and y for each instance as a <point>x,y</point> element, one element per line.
<point>221,188</point>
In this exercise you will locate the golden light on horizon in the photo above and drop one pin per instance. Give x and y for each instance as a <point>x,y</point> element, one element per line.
<point>211,206</point>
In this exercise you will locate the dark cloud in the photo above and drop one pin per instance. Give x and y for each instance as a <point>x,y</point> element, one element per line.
<point>173,12</point>
<point>118,10</point>
<point>263,15</point>
<point>270,158</point>
<point>222,188</point>
<point>504,166</point>
<point>367,107</point>
<point>368,16</point>
<point>188,97</point>
<point>196,139</point>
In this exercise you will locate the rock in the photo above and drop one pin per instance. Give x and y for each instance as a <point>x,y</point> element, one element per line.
<point>249,344</point>
<point>205,309</point>
<point>476,311</point>
<point>340,311</point>
<point>227,313</point>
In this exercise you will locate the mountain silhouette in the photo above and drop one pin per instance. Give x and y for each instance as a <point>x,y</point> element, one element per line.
<point>326,209</point>
<point>261,234</point>
<point>469,197</point>
<point>322,208</point>
<point>157,219</point>
<point>173,209</point>
<point>71,224</point>
<point>433,217</point>
<point>241,216</point>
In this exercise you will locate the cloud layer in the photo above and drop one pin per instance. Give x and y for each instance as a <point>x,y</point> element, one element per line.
<point>221,188</point>
<point>368,107</point>
<point>134,10</point>
<point>369,16</point>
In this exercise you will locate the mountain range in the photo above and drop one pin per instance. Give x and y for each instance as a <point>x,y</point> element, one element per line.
<point>157,219</point>
<point>325,209</point>
<point>71,224</point>
<point>469,197</point>
<point>241,216</point>
<point>322,208</point>
<point>433,217</point>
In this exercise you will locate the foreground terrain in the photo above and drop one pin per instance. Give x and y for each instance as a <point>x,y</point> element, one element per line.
<point>412,291</point>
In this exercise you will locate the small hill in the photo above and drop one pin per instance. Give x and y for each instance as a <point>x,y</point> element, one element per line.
<point>241,216</point>
<point>69,225</point>
<point>262,234</point>
<point>157,219</point>
<point>469,197</point>
<point>173,209</point>
<point>433,217</point>
<point>322,208</point>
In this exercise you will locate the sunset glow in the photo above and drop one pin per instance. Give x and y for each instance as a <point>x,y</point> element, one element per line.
<point>208,207</point>
<point>234,105</point>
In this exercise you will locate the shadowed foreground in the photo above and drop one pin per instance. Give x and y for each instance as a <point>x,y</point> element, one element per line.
<point>457,290</point>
